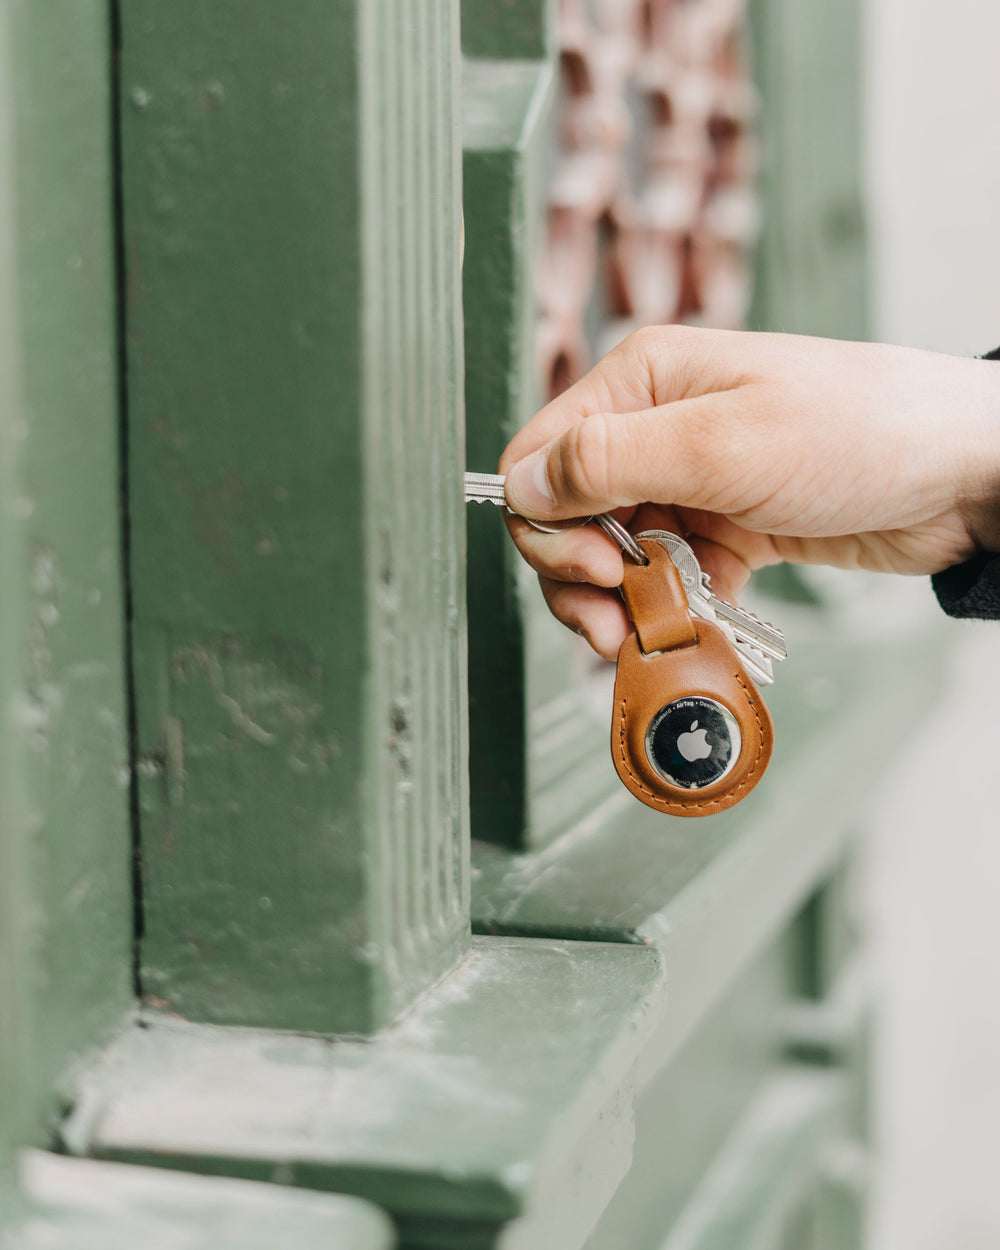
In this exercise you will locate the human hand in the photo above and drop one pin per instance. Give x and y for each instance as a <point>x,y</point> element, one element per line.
<point>757,448</point>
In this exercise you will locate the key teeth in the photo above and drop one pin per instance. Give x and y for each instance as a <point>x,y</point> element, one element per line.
<point>757,663</point>
<point>760,621</point>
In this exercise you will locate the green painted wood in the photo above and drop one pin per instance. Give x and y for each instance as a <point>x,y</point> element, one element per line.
<point>505,110</point>
<point>710,893</point>
<point>839,1032</point>
<point>65,906</point>
<point>812,273</point>
<point>537,732</point>
<point>505,1095</point>
<point>292,215</point>
<point>507,29</point>
<point>81,1204</point>
<point>826,935</point>
<point>841,1203</point>
<point>767,1176</point>
<point>686,1113</point>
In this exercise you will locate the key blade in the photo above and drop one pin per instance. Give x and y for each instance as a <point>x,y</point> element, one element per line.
<point>751,629</point>
<point>756,642</point>
<point>485,488</point>
<point>491,480</point>
<point>756,664</point>
<point>472,496</point>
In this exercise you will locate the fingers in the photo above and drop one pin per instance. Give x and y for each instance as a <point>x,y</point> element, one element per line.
<point>620,382</point>
<point>754,548</point>
<point>579,568</point>
<point>726,552</point>
<point>580,554</point>
<point>598,615</point>
<point>687,453</point>
<point>652,366</point>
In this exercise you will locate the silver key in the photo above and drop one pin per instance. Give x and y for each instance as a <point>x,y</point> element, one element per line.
<point>741,628</point>
<point>485,488</point>
<point>488,488</point>
<point>760,634</point>
<point>756,641</point>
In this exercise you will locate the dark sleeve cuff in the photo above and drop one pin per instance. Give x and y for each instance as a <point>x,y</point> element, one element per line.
<point>971,590</point>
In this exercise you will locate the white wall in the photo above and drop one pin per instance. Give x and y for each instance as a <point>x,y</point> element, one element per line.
<point>933,81</point>
<point>933,108</point>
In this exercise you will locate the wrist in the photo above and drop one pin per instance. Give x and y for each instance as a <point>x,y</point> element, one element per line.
<point>979,486</point>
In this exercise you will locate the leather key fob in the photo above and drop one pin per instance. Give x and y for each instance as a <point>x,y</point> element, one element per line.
<point>690,734</point>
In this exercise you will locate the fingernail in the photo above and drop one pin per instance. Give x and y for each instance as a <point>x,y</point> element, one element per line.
<point>527,486</point>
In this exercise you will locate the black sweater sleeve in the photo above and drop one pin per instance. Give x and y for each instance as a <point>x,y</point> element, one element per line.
<point>972,589</point>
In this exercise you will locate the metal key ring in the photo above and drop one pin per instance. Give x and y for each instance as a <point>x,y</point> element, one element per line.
<point>554,527</point>
<point>614,530</point>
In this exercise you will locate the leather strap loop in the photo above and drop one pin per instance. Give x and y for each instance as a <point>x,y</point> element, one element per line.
<point>657,603</point>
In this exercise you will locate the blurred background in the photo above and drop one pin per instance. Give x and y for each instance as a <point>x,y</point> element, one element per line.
<point>933,168</point>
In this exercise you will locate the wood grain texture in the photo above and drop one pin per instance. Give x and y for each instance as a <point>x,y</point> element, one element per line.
<point>506,1095</point>
<point>82,1204</point>
<point>538,734</point>
<point>65,903</point>
<point>505,107</point>
<point>291,187</point>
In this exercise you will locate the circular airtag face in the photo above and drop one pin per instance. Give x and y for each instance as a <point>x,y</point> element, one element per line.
<point>693,742</point>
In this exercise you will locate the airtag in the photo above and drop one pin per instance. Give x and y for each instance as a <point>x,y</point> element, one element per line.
<point>693,742</point>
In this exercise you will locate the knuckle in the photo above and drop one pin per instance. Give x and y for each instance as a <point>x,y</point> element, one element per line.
<point>648,341</point>
<point>583,461</point>
<point>661,355</point>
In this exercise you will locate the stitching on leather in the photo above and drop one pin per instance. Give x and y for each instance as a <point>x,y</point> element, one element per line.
<point>673,803</point>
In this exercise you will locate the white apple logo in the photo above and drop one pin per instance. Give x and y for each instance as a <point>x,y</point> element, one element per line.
<point>694,745</point>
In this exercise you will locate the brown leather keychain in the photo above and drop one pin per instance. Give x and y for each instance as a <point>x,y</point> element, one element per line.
<point>690,734</point>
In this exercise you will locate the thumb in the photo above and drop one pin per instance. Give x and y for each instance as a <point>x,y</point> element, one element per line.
<point>663,455</point>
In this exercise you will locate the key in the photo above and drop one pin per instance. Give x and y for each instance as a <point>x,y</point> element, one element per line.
<point>488,488</point>
<point>748,628</point>
<point>485,488</point>
<point>756,642</point>
<point>757,663</point>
